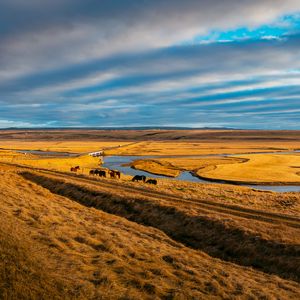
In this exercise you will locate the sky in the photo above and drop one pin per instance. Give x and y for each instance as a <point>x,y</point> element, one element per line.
<point>129,63</point>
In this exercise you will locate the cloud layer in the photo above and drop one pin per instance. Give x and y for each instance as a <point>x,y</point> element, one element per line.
<point>131,63</point>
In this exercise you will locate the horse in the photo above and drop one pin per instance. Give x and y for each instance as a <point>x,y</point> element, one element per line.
<point>75,169</point>
<point>112,174</point>
<point>152,181</point>
<point>101,173</point>
<point>92,172</point>
<point>139,178</point>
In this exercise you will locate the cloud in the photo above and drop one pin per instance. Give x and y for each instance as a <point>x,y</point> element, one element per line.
<point>73,57</point>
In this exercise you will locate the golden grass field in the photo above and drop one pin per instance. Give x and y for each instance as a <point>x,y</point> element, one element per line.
<point>86,162</point>
<point>274,169</point>
<point>59,146</point>
<point>172,166</point>
<point>63,237</point>
<point>202,148</point>
<point>266,168</point>
<point>74,236</point>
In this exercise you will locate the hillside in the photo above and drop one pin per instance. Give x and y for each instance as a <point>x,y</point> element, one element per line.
<point>68,236</point>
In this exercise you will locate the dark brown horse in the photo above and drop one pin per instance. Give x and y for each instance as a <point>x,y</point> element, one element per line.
<point>139,178</point>
<point>75,169</point>
<point>112,173</point>
<point>100,173</point>
<point>152,181</point>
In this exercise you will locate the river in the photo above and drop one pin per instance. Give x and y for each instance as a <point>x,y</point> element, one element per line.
<point>118,162</point>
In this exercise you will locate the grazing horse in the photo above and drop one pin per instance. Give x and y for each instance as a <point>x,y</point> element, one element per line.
<point>75,169</point>
<point>112,174</point>
<point>152,181</point>
<point>101,173</point>
<point>139,178</point>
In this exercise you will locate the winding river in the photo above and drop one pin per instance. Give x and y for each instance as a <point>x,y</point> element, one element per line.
<point>120,162</point>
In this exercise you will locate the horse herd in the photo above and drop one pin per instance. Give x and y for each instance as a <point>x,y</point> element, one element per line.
<point>115,174</point>
<point>102,173</point>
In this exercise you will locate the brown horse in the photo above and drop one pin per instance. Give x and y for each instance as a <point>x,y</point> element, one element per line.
<point>139,178</point>
<point>112,173</point>
<point>75,169</point>
<point>152,181</point>
<point>101,173</point>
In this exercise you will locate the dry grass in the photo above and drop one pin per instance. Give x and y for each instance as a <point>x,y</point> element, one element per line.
<point>266,168</point>
<point>263,137</point>
<point>85,162</point>
<point>73,236</point>
<point>203,147</point>
<point>59,146</point>
<point>254,168</point>
<point>156,167</point>
<point>172,166</point>
<point>62,249</point>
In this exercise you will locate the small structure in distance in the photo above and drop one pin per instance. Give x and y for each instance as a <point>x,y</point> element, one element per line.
<point>96,154</point>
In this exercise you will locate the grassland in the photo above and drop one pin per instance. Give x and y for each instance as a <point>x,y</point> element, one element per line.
<point>153,142</point>
<point>59,146</point>
<point>279,137</point>
<point>75,236</point>
<point>86,162</point>
<point>270,169</point>
<point>172,166</point>
<point>258,168</point>
<point>172,148</point>
<point>156,167</point>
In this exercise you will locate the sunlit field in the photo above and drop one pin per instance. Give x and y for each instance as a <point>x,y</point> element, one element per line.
<point>172,166</point>
<point>86,162</point>
<point>254,168</point>
<point>65,248</point>
<point>203,148</point>
<point>67,235</point>
<point>259,168</point>
<point>59,146</point>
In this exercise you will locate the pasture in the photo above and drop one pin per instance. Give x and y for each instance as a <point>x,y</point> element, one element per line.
<point>77,235</point>
<point>59,146</point>
<point>192,148</point>
<point>80,239</point>
<point>172,166</point>
<point>258,168</point>
<point>85,162</point>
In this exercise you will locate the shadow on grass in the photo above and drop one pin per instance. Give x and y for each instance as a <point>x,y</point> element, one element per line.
<point>214,237</point>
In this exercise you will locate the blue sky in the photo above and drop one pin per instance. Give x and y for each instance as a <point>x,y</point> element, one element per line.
<point>75,63</point>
